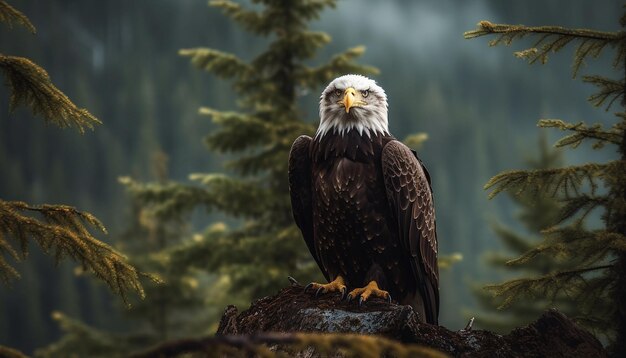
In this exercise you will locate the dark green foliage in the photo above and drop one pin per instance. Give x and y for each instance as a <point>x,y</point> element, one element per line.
<point>85,341</point>
<point>551,39</point>
<point>592,262</point>
<point>10,15</point>
<point>537,213</point>
<point>60,229</point>
<point>31,86</point>
<point>174,307</point>
<point>7,352</point>
<point>63,231</point>
<point>266,246</point>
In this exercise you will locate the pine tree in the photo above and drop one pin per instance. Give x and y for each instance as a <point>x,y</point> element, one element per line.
<point>536,214</point>
<point>265,246</point>
<point>597,278</point>
<point>58,229</point>
<point>175,306</point>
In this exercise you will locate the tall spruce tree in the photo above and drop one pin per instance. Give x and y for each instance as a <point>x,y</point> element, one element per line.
<point>536,213</point>
<point>265,246</point>
<point>597,278</point>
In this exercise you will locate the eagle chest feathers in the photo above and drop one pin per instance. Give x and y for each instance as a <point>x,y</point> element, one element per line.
<point>350,210</point>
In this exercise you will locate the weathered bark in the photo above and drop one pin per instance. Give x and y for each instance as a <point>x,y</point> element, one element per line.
<point>292,310</point>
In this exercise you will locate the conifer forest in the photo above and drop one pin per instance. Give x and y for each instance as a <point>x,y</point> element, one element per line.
<point>144,152</point>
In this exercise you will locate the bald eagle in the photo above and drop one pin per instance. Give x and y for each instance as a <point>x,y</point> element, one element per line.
<point>363,202</point>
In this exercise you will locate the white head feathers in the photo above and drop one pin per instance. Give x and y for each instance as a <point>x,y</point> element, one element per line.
<point>368,116</point>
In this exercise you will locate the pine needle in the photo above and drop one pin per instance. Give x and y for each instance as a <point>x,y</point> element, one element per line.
<point>610,90</point>
<point>223,64</point>
<point>583,132</point>
<point>552,39</point>
<point>62,230</point>
<point>30,86</point>
<point>567,181</point>
<point>10,15</point>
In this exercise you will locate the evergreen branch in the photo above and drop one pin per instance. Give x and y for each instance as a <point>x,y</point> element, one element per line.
<point>302,45</point>
<point>63,230</point>
<point>81,340</point>
<point>234,196</point>
<point>9,15</point>
<point>310,9</point>
<point>339,64</point>
<point>567,282</point>
<point>250,20</point>
<point>576,243</point>
<point>415,140</point>
<point>220,193</point>
<point>221,64</point>
<point>7,272</point>
<point>8,352</point>
<point>238,131</point>
<point>273,156</point>
<point>265,22</point>
<point>350,345</point>
<point>446,262</point>
<point>609,90</point>
<point>582,132</point>
<point>583,202</point>
<point>30,85</point>
<point>166,200</point>
<point>512,240</point>
<point>499,259</point>
<point>567,180</point>
<point>239,253</point>
<point>553,39</point>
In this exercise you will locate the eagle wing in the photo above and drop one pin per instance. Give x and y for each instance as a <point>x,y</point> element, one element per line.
<point>411,202</point>
<point>300,187</point>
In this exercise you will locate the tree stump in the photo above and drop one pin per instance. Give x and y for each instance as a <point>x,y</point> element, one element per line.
<point>292,310</point>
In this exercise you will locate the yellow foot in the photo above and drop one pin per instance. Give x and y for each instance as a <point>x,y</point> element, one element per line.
<point>370,290</point>
<point>337,285</point>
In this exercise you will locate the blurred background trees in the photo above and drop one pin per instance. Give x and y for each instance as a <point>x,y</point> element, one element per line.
<point>264,246</point>
<point>119,59</point>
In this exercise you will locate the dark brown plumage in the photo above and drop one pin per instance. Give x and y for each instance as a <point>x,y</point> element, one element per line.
<point>364,204</point>
<point>365,209</point>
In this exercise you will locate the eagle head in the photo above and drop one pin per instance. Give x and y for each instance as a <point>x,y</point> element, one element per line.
<point>353,102</point>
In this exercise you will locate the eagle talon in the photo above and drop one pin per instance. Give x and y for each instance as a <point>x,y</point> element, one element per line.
<point>371,290</point>
<point>293,281</point>
<point>319,290</point>
<point>307,287</point>
<point>344,292</point>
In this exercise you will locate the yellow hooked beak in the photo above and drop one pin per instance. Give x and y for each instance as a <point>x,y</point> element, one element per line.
<point>348,98</point>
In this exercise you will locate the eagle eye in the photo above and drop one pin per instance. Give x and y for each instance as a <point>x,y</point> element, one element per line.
<point>365,93</point>
<point>337,92</point>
